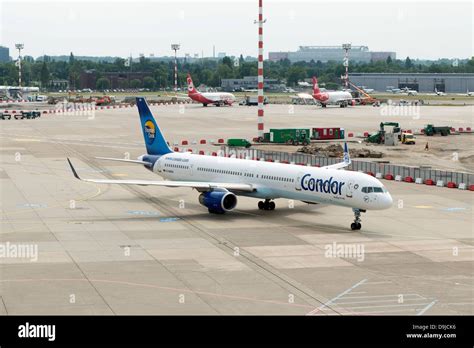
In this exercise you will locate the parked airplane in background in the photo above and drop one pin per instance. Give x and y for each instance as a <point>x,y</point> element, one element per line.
<point>439,92</point>
<point>409,91</point>
<point>221,179</point>
<point>391,89</point>
<point>216,98</point>
<point>467,94</point>
<point>367,90</point>
<point>341,98</point>
<point>20,89</point>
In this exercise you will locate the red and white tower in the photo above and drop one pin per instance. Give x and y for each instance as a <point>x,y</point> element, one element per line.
<point>260,69</point>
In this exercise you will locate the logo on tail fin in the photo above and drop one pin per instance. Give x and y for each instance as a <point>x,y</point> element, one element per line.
<point>190,84</point>
<point>150,131</point>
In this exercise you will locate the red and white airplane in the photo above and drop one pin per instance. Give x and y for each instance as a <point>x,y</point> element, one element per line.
<point>341,98</point>
<point>216,98</point>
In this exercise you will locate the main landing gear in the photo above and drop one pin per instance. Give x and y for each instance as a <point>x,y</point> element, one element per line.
<point>267,205</point>
<point>356,225</point>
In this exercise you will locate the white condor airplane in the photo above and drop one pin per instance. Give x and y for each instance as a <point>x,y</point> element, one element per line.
<point>220,179</point>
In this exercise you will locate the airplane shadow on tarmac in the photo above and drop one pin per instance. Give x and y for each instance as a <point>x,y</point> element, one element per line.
<point>195,211</point>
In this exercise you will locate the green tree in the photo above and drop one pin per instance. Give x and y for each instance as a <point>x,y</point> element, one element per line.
<point>149,82</point>
<point>135,83</point>
<point>44,75</point>
<point>102,83</point>
<point>161,77</point>
<point>408,63</point>
<point>224,72</point>
<point>227,61</point>
<point>295,74</point>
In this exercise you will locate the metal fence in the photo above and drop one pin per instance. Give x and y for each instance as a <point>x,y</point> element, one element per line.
<point>356,165</point>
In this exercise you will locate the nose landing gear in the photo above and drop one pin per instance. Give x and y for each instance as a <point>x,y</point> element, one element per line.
<point>267,205</point>
<point>356,225</point>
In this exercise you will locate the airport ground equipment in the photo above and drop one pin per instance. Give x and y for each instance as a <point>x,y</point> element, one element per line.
<point>250,100</point>
<point>432,130</point>
<point>291,136</point>
<point>384,137</point>
<point>407,138</point>
<point>367,99</point>
<point>5,116</point>
<point>327,133</point>
<point>238,142</point>
<point>28,115</point>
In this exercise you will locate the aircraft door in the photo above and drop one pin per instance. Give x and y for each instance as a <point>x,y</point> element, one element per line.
<point>298,181</point>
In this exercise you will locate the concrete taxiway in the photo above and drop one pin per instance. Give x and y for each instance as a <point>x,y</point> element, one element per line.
<point>150,250</point>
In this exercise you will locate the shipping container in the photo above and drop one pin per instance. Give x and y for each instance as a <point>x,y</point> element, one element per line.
<point>293,136</point>
<point>327,133</point>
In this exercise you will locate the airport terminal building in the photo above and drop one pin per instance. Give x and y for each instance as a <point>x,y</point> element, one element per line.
<point>421,82</point>
<point>249,82</point>
<point>331,53</point>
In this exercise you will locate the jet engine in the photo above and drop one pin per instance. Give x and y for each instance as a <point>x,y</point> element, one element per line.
<point>218,202</point>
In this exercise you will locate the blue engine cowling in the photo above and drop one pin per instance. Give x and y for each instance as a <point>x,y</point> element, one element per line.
<point>218,201</point>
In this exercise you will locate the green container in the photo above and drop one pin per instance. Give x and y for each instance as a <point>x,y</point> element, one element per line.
<point>238,142</point>
<point>293,136</point>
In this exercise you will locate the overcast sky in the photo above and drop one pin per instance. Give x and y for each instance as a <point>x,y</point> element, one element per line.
<point>424,29</point>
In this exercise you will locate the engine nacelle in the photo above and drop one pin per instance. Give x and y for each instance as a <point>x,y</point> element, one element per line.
<point>218,201</point>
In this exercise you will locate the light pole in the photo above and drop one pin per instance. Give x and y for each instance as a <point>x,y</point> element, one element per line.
<point>346,48</point>
<point>175,48</point>
<point>19,47</point>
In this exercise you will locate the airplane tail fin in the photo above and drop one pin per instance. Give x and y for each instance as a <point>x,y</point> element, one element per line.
<point>191,89</point>
<point>345,162</point>
<point>346,157</point>
<point>316,89</point>
<point>154,141</point>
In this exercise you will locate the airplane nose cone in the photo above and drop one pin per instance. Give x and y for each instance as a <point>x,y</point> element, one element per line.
<point>387,201</point>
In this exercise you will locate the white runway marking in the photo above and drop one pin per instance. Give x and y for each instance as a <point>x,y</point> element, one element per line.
<point>337,297</point>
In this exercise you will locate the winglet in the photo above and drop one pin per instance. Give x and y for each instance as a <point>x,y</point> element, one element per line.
<point>73,170</point>
<point>347,158</point>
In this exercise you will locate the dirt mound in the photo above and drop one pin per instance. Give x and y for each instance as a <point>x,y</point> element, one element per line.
<point>336,150</point>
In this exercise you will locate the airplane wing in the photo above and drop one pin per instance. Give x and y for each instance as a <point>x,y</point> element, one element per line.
<point>344,163</point>
<point>205,186</point>
<point>148,164</point>
<point>177,95</point>
<point>304,96</point>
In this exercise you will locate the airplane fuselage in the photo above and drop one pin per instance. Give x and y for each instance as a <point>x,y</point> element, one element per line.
<point>333,97</point>
<point>277,180</point>
<point>215,98</point>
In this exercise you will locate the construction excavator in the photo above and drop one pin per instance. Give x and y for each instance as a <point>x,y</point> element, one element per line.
<point>384,137</point>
